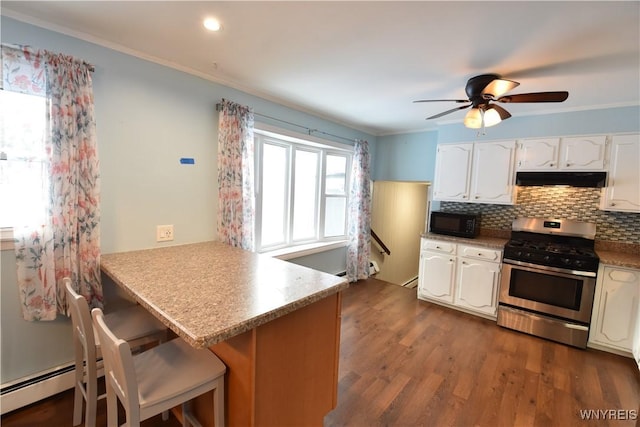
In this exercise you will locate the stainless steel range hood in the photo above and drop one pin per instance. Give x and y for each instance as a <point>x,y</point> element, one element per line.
<point>573,179</point>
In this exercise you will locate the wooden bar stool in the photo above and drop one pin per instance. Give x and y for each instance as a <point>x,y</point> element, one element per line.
<point>158,379</point>
<point>134,324</point>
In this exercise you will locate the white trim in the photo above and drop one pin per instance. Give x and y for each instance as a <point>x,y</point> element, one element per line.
<point>292,252</point>
<point>299,138</point>
<point>6,238</point>
<point>37,391</point>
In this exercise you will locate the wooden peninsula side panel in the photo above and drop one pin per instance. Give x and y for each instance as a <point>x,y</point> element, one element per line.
<point>285,372</point>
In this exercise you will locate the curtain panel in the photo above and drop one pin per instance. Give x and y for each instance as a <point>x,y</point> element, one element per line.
<point>236,206</point>
<point>67,242</point>
<point>359,221</point>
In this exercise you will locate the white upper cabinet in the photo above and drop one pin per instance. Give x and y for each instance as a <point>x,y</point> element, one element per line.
<point>492,179</point>
<point>480,172</point>
<point>583,153</point>
<point>453,169</point>
<point>623,186</point>
<point>538,154</point>
<point>580,153</point>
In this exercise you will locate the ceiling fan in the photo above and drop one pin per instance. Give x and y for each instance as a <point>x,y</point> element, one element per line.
<point>484,89</point>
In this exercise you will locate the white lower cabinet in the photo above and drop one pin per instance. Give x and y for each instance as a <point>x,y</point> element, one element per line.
<point>477,285</point>
<point>436,273</point>
<point>614,320</point>
<point>461,276</point>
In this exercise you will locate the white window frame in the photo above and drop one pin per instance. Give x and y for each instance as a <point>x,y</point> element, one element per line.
<point>296,141</point>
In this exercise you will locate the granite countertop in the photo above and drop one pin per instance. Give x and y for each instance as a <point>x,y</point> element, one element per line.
<point>610,253</point>
<point>619,259</point>
<point>209,292</point>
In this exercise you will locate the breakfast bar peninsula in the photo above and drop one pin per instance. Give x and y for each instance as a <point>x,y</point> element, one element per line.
<point>276,325</point>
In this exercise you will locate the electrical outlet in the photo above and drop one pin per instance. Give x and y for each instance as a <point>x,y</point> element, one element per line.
<point>164,233</point>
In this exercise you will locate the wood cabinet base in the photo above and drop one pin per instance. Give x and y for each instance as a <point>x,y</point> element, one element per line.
<point>284,372</point>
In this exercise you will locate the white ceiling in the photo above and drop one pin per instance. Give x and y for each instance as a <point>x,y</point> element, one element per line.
<point>362,63</point>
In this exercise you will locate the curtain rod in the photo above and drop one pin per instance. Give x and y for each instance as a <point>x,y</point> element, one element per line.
<point>30,49</point>
<point>307,129</point>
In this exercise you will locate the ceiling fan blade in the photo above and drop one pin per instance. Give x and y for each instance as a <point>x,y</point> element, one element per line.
<point>499,87</point>
<point>442,100</point>
<point>448,111</point>
<point>535,97</point>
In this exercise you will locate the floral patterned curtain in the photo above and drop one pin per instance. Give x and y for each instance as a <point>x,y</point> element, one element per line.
<point>236,206</point>
<point>66,243</point>
<point>359,222</point>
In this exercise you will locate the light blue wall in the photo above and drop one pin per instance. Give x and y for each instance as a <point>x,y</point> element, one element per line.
<point>405,157</point>
<point>148,117</point>
<point>610,120</point>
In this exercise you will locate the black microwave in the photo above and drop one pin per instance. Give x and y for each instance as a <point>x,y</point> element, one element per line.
<point>454,224</point>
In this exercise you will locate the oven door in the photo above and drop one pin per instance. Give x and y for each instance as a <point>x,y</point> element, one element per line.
<point>557,292</point>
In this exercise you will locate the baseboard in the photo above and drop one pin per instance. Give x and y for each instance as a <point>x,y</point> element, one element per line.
<point>30,390</point>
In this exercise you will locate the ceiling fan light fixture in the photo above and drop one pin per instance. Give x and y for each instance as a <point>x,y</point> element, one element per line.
<point>491,117</point>
<point>473,118</point>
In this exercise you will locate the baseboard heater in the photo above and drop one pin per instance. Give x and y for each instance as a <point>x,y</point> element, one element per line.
<point>28,390</point>
<point>410,283</point>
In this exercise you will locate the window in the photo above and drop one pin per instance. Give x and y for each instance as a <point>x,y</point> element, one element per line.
<point>302,187</point>
<point>24,183</point>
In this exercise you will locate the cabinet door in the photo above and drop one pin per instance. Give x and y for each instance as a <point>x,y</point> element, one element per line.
<point>492,178</point>
<point>616,307</point>
<point>623,187</point>
<point>477,285</point>
<point>538,154</point>
<point>583,153</point>
<point>452,173</point>
<point>436,276</point>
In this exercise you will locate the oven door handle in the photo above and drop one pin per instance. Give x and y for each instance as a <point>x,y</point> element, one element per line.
<point>574,326</point>
<point>546,268</point>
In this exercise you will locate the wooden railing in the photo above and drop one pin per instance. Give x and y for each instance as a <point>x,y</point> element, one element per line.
<point>379,241</point>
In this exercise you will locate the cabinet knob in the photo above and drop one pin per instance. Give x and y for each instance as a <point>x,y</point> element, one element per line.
<point>568,164</point>
<point>550,164</point>
<point>438,247</point>
<point>464,262</point>
<point>477,197</point>
<point>479,254</point>
<point>612,204</point>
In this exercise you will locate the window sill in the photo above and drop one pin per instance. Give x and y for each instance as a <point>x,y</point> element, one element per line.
<point>6,239</point>
<point>292,252</point>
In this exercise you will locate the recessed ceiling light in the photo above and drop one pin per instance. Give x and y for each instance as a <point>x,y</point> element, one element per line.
<point>212,24</point>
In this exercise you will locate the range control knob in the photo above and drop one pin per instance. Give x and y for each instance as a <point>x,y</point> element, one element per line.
<point>565,260</point>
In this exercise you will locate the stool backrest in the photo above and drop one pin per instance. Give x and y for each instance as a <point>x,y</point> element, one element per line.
<point>119,369</point>
<point>83,337</point>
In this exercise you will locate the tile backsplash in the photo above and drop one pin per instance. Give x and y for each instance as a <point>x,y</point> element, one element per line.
<point>580,204</point>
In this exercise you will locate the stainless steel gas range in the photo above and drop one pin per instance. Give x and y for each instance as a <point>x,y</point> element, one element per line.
<point>548,279</point>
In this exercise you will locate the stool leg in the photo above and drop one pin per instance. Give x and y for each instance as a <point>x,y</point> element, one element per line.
<point>112,408</point>
<point>92,401</point>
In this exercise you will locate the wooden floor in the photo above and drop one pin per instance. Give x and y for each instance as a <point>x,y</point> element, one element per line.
<point>406,362</point>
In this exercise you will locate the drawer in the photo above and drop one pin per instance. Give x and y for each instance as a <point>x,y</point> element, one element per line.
<point>438,246</point>
<point>487,254</point>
